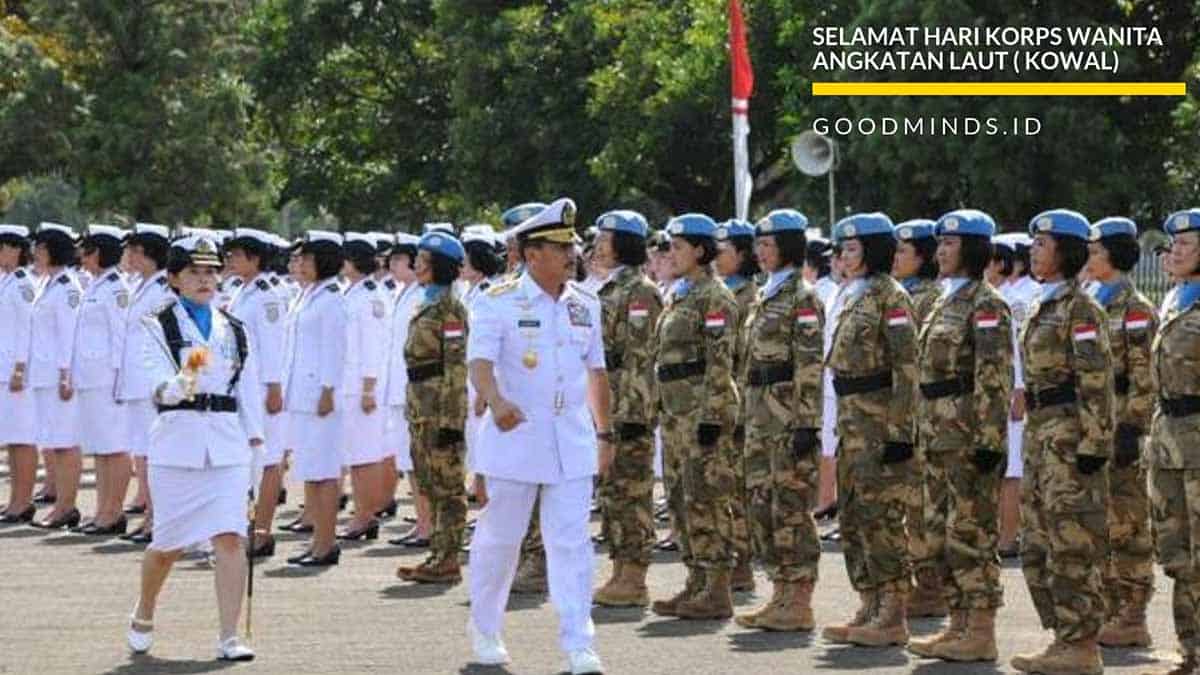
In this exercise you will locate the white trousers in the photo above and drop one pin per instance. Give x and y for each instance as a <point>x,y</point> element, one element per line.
<point>569,555</point>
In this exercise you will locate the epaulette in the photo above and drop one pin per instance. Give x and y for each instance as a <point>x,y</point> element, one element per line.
<point>484,285</point>
<point>161,281</point>
<point>113,277</point>
<point>581,290</point>
<point>64,279</point>
<point>274,281</point>
<point>502,288</point>
<point>369,284</point>
<point>262,285</point>
<point>390,284</point>
<point>236,282</point>
<point>334,288</point>
<point>20,274</point>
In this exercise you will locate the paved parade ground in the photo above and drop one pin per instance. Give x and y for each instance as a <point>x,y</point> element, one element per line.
<point>66,599</point>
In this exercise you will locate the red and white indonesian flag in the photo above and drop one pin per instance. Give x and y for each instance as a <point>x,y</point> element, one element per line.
<point>743,87</point>
<point>714,320</point>
<point>897,317</point>
<point>1086,331</point>
<point>1137,320</point>
<point>806,316</point>
<point>987,320</point>
<point>452,330</point>
<point>638,310</point>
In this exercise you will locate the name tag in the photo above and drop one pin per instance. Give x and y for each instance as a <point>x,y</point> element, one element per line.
<point>528,323</point>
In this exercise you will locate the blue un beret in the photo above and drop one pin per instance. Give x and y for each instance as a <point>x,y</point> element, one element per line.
<point>443,244</point>
<point>630,222</point>
<point>1061,221</point>
<point>520,213</point>
<point>692,225</point>
<point>863,225</point>
<point>1182,221</point>
<point>1113,226</point>
<point>734,228</point>
<point>920,228</point>
<point>967,221</point>
<point>781,220</point>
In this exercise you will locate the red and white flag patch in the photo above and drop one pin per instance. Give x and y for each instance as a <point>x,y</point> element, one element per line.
<point>987,320</point>
<point>1085,331</point>
<point>897,317</point>
<point>714,320</point>
<point>452,330</point>
<point>1137,320</point>
<point>806,316</point>
<point>638,310</point>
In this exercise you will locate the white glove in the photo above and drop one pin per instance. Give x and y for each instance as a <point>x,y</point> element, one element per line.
<point>173,391</point>
<point>256,468</point>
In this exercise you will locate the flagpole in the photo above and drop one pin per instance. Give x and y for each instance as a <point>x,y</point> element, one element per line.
<point>743,87</point>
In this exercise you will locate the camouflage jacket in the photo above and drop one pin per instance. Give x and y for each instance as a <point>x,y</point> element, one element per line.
<point>1065,342</point>
<point>875,334</point>
<point>966,337</point>
<point>700,327</point>
<point>1176,369</point>
<point>631,306</point>
<point>925,294</point>
<point>784,329</point>
<point>437,336</point>
<point>1131,326</point>
<point>745,291</point>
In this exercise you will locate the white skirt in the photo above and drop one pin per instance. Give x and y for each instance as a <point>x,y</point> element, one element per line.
<point>275,430</point>
<point>829,424</point>
<point>1016,464</point>
<point>20,417</point>
<point>658,453</point>
<point>139,415</point>
<point>316,445</point>
<point>57,420</point>
<point>101,422</point>
<point>362,434</point>
<point>396,438</point>
<point>191,506</point>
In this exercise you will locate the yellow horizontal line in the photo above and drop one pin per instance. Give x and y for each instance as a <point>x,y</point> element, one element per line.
<point>999,89</point>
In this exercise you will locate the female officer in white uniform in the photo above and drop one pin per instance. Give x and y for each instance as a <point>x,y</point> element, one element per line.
<point>19,431</point>
<point>203,443</point>
<point>55,313</point>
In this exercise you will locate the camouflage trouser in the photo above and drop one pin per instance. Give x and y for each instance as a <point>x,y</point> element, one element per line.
<point>699,488</point>
<point>1175,495</point>
<point>962,520</point>
<point>872,504</point>
<point>781,490</point>
<point>924,543</point>
<point>1064,537</point>
<point>441,477</point>
<point>1131,559</point>
<point>739,505</point>
<point>627,501</point>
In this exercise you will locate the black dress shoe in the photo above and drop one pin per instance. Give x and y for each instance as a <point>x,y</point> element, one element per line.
<point>667,544</point>
<point>118,526</point>
<point>326,560</point>
<point>389,511</point>
<point>128,536</point>
<point>369,532</point>
<point>417,542</point>
<point>142,536</point>
<point>342,502</point>
<point>85,527</point>
<point>25,516</point>
<point>265,549</point>
<point>292,560</point>
<point>297,526</point>
<point>830,511</point>
<point>68,520</point>
<point>135,509</point>
<point>43,497</point>
<point>404,538</point>
<point>282,497</point>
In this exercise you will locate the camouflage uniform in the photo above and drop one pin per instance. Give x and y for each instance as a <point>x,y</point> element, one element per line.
<point>437,407</point>
<point>631,307</point>
<point>744,294</point>
<point>874,340</point>
<point>965,359</point>
<point>1066,355</point>
<point>782,395</point>
<point>1175,464</point>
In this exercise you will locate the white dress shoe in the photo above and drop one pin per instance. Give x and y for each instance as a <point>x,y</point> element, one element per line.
<point>489,649</point>
<point>584,661</point>
<point>140,635</point>
<point>232,649</point>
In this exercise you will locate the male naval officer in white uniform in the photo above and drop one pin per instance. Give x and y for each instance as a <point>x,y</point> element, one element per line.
<point>537,357</point>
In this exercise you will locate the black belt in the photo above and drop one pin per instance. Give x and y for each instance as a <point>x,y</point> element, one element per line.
<point>848,386</point>
<point>1064,393</point>
<point>770,373</point>
<point>1122,384</point>
<point>613,360</point>
<point>951,387</point>
<point>425,372</point>
<point>204,403</point>
<point>678,371</point>
<point>1181,406</point>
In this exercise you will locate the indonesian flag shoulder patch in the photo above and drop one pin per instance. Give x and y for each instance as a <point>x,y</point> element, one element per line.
<point>638,310</point>
<point>806,316</point>
<point>897,317</point>
<point>1084,332</point>
<point>986,320</point>
<point>714,320</point>
<point>1137,320</point>
<point>452,329</point>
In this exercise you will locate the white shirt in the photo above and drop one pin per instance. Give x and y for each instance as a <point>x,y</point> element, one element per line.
<point>401,318</point>
<point>55,314</point>
<point>316,346</point>
<point>17,293</point>
<point>1019,295</point>
<point>557,441</point>
<point>100,333</point>
<point>366,336</point>
<point>259,307</point>
<point>150,295</point>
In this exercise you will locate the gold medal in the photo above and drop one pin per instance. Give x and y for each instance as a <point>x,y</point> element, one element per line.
<point>530,359</point>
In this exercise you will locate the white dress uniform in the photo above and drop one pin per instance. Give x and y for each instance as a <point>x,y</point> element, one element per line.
<point>833,308</point>
<point>260,308</point>
<point>316,357</point>
<point>201,462</point>
<point>99,350</point>
<point>366,340</point>
<point>1020,295</point>
<point>17,293</point>
<point>225,291</point>
<point>55,314</point>
<point>555,448</point>
<point>397,436</point>
<point>473,424</point>
<point>135,390</point>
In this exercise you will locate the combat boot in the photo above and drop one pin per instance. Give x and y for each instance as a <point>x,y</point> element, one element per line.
<point>1081,657</point>
<point>789,610</point>
<point>714,601</point>
<point>743,576</point>
<point>1190,665</point>
<point>1127,628</point>
<point>868,604</point>
<point>958,626</point>
<point>976,643</point>
<point>670,607</point>
<point>750,619</point>
<point>888,627</point>
<point>445,571</point>
<point>627,590</point>
<point>612,580</point>
<point>928,598</point>
<point>531,574</point>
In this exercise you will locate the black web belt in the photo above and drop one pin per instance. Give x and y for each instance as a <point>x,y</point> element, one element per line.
<point>204,403</point>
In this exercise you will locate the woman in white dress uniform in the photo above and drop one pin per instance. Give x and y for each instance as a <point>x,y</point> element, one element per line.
<point>55,313</point>
<point>363,421</point>
<point>481,269</point>
<point>203,443</point>
<point>146,252</point>
<point>99,348</point>
<point>313,373</point>
<point>19,431</point>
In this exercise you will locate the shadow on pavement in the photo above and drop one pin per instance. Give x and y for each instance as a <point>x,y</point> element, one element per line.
<point>935,666</point>
<point>754,641</point>
<point>290,572</point>
<point>117,547</point>
<point>414,591</point>
<point>519,602</point>
<point>679,628</point>
<point>480,669</point>
<point>69,539</point>
<point>393,551</point>
<point>849,657</point>
<point>150,664</point>
<point>21,533</point>
<point>615,615</point>
<point>1118,658</point>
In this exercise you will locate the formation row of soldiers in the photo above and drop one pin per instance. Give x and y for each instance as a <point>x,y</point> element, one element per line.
<point>733,372</point>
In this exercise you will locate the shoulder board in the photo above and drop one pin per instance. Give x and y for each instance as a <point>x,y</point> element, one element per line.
<point>581,290</point>
<point>237,281</point>
<point>263,285</point>
<point>161,281</point>
<point>390,284</point>
<point>334,288</point>
<point>484,285</point>
<point>20,274</point>
<point>113,277</point>
<point>501,289</point>
<point>369,284</point>
<point>64,279</point>
<point>274,281</point>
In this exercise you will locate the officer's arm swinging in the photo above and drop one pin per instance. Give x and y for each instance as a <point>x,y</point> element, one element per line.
<point>483,376</point>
